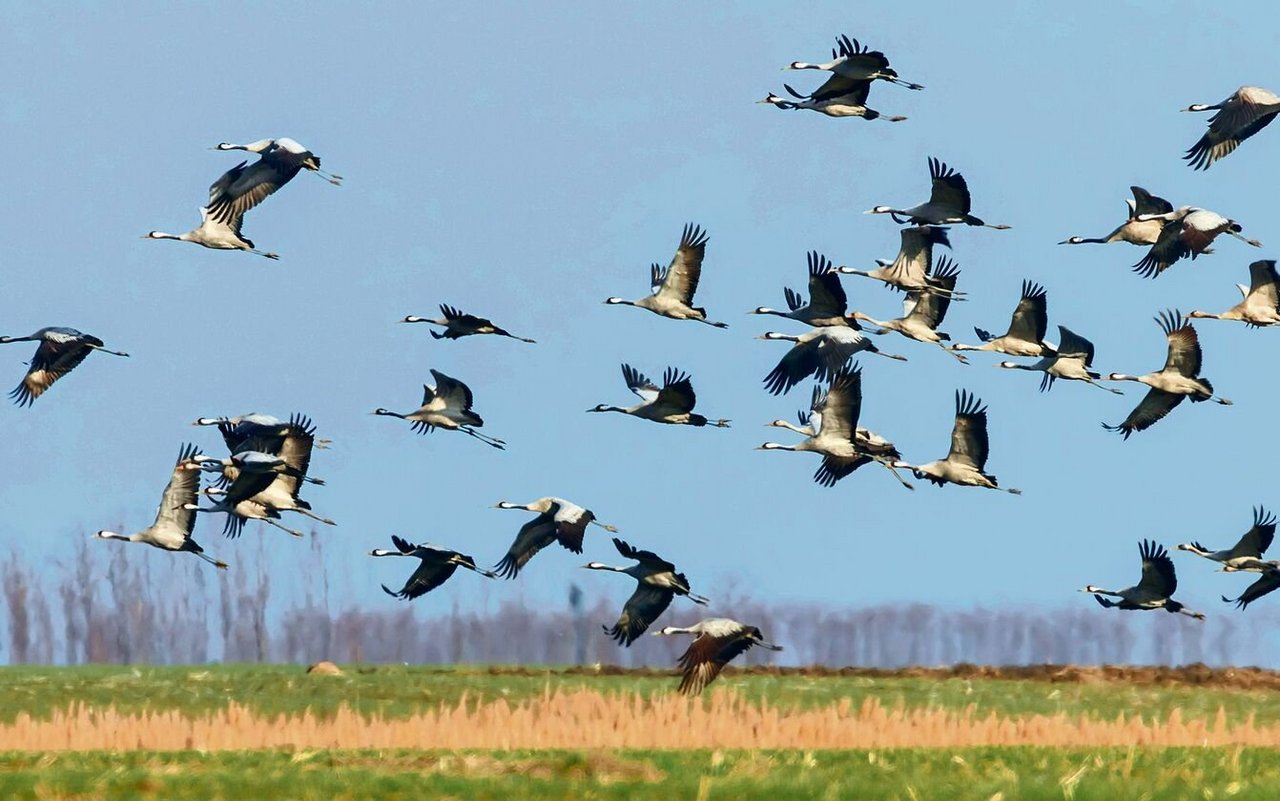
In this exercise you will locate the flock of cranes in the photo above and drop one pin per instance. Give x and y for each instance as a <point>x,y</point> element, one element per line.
<point>268,461</point>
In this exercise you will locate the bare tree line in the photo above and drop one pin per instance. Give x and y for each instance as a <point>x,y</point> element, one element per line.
<point>101,608</point>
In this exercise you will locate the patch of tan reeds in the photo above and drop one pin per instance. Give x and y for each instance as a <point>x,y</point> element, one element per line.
<point>589,719</point>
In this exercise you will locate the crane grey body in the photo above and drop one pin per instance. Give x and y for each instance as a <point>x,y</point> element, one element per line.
<point>175,520</point>
<point>717,641</point>
<point>838,97</point>
<point>1070,361</point>
<point>1268,582</point>
<point>827,306</point>
<point>1027,327</point>
<point>924,311</point>
<point>558,520</point>
<point>910,269</point>
<point>60,351</point>
<point>657,582</point>
<point>1246,554</point>
<point>1154,591</point>
<point>1186,231</point>
<point>239,513</point>
<point>277,486</point>
<point>1179,378</point>
<point>1260,305</point>
<point>458,324</point>
<point>447,405</point>
<point>966,462</point>
<point>436,567</point>
<point>833,432</point>
<point>1248,110</point>
<point>865,440</point>
<point>819,353</point>
<point>948,202</point>
<point>243,187</point>
<point>672,404</point>
<point>1140,228</point>
<point>674,287</point>
<point>855,62</point>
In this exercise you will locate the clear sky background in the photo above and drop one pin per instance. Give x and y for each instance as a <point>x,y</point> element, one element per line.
<point>525,162</point>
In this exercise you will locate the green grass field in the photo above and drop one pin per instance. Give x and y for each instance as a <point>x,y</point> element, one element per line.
<point>991,773</point>
<point>395,691</point>
<point>1028,772</point>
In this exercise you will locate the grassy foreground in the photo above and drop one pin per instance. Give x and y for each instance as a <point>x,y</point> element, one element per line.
<point>1010,773</point>
<point>400,691</point>
<point>397,692</point>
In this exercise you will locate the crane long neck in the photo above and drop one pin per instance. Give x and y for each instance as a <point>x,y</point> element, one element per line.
<point>866,318</point>
<point>613,568</point>
<point>112,535</point>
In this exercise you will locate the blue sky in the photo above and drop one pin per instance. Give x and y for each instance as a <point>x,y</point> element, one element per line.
<point>525,164</point>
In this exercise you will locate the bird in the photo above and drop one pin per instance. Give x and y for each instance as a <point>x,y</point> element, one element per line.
<point>59,352</point>
<point>1070,361</point>
<point>923,311</point>
<point>967,460</point>
<point>855,62</point>
<point>910,269</point>
<point>558,520</point>
<point>657,582</point>
<point>255,432</point>
<point>174,521</point>
<point>240,512</point>
<point>282,157</point>
<point>833,432</point>
<point>221,220</point>
<point>437,565</point>
<point>1153,591</point>
<point>459,324</point>
<point>244,187</point>
<point>838,97</point>
<point>252,463</point>
<point>1027,327</point>
<point>1248,110</point>
<point>1248,550</point>
<point>447,405</point>
<point>1135,231</point>
<point>247,419</point>
<point>827,304</point>
<point>674,287</point>
<point>948,202</point>
<point>1261,304</point>
<point>672,404</point>
<point>1178,379</point>
<point>274,481</point>
<point>716,642</point>
<point>1268,581</point>
<point>1186,231</point>
<point>819,353</point>
<point>865,440</point>
<point>257,443</point>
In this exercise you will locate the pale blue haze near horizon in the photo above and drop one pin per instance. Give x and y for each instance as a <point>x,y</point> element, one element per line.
<point>525,162</point>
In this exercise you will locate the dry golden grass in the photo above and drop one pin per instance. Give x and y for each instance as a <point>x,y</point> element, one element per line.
<point>589,719</point>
